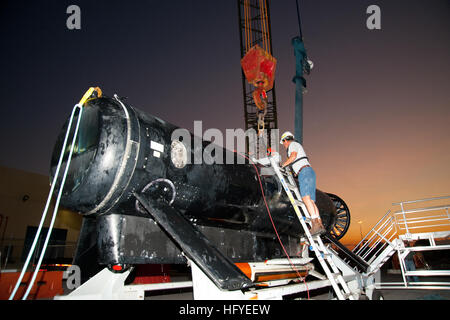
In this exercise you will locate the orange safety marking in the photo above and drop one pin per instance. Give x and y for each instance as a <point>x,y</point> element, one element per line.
<point>47,285</point>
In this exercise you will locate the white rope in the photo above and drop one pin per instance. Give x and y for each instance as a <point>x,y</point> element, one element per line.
<point>38,232</point>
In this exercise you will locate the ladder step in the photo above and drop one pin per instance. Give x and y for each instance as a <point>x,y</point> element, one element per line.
<point>291,187</point>
<point>323,255</point>
<point>284,174</point>
<point>326,255</point>
<point>336,275</point>
<point>346,295</point>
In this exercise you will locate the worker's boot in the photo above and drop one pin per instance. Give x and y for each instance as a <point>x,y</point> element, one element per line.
<point>317,227</point>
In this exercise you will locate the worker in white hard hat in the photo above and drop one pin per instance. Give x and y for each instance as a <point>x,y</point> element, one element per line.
<point>306,178</point>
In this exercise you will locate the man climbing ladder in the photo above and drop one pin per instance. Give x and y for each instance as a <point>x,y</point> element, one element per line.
<point>323,254</point>
<point>306,178</point>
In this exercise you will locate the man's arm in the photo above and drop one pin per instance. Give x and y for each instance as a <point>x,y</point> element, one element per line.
<point>263,161</point>
<point>289,160</point>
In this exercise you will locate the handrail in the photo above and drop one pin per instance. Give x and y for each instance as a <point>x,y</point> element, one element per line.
<point>402,222</point>
<point>421,200</point>
<point>428,217</point>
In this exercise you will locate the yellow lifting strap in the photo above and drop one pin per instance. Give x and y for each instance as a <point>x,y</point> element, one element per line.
<point>91,93</point>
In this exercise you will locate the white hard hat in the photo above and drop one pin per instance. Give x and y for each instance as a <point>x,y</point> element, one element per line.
<point>285,135</point>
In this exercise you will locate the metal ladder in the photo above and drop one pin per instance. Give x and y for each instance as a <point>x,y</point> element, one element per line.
<point>323,255</point>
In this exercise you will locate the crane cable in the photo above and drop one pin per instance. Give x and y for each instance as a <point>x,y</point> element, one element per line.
<point>299,21</point>
<point>264,25</point>
<point>261,103</point>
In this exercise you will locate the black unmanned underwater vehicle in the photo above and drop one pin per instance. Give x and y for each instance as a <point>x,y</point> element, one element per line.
<point>144,201</point>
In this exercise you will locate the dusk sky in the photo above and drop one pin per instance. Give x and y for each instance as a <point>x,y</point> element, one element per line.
<point>376,114</point>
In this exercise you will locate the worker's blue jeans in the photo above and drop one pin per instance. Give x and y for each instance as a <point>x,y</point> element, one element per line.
<point>307,183</point>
